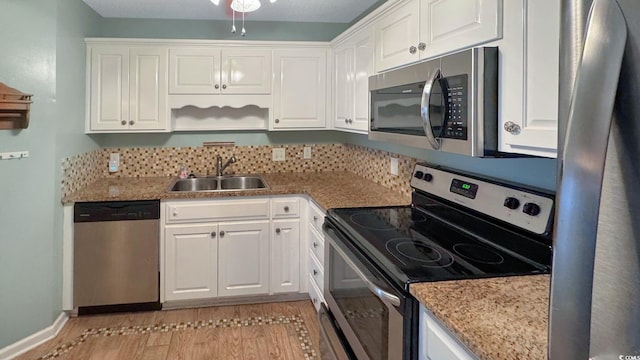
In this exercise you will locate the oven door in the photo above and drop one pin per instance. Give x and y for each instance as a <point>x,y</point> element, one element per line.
<point>368,310</point>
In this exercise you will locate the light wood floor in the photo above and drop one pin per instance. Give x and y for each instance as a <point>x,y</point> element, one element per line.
<point>286,330</point>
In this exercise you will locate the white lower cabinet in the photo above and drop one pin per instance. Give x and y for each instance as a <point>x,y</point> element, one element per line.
<point>315,265</point>
<point>243,258</point>
<point>232,247</point>
<point>437,343</point>
<point>285,256</point>
<point>191,255</point>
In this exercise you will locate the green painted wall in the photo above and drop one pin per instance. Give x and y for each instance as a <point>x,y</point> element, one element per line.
<point>30,210</point>
<point>219,30</point>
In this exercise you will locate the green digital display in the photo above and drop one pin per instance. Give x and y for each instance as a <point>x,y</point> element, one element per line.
<point>464,188</point>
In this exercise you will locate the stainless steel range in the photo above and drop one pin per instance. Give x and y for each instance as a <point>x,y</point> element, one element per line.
<point>459,226</point>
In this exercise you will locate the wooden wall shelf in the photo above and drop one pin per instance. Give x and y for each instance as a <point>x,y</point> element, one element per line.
<point>14,108</point>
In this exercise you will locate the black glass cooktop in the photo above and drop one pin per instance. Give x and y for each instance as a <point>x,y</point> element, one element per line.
<point>439,243</point>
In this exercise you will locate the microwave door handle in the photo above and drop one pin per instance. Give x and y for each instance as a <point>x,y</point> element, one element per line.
<point>424,109</point>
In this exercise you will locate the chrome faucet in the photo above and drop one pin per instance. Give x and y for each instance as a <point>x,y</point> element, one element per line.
<point>219,167</point>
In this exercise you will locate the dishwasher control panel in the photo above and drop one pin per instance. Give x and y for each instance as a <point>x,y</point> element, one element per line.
<point>116,211</point>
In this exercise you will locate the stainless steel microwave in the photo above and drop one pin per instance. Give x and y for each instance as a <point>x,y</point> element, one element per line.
<point>448,104</point>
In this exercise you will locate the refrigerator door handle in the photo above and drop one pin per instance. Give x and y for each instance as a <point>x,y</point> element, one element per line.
<point>580,178</point>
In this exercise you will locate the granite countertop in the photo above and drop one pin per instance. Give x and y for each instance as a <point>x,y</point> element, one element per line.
<point>497,318</point>
<point>327,189</point>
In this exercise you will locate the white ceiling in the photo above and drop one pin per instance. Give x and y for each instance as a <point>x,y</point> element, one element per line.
<point>339,11</point>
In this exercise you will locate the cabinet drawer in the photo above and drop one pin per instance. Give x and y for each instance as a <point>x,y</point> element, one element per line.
<point>218,210</point>
<point>315,294</point>
<point>436,342</point>
<point>316,271</point>
<point>316,217</point>
<point>285,207</point>
<point>316,245</point>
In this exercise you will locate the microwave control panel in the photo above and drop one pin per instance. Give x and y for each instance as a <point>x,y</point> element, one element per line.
<point>456,95</point>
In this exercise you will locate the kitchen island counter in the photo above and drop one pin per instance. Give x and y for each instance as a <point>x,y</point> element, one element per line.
<point>497,319</point>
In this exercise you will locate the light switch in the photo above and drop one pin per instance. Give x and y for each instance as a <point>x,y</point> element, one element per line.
<point>393,168</point>
<point>306,152</point>
<point>279,154</point>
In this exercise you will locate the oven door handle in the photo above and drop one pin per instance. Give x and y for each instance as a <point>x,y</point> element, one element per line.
<point>384,296</point>
<point>425,110</point>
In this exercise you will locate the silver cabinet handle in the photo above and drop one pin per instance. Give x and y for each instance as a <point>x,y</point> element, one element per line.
<point>512,128</point>
<point>213,234</point>
<point>123,122</point>
<point>424,109</point>
<point>315,272</point>
<point>286,209</point>
<point>277,121</point>
<point>346,121</point>
<point>278,231</point>
<point>315,244</point>
<point>413,50</point>
<point>221,233</point>
<point>131,122</point>
<point>174,212</point>
<point>422,46</point>
<point>315,300</point>
<point>224,86</point>
<point>216,86</point>
<point>315,218</point>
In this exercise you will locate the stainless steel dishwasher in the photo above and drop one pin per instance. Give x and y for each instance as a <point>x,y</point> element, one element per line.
<point>116,256</point>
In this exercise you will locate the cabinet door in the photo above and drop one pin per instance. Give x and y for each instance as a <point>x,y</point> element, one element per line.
<point>529,103</point>
<point>451,25</point>
<point>246,71</point>
<point>194,71</point>
<point>363,68</point>
<point>300,89</point>
<point>436,343</point>
<point>285,256</point>
<point>148,107</point>
<point>343,86</point>
<point>243,265</point>
<point>397,37</point>
<point>109,89</point>
<point>191,253</point>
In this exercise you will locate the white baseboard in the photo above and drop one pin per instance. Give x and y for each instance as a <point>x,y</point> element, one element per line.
<point>28,343</point>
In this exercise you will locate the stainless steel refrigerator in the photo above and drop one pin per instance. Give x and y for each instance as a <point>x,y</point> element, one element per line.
<point>595,283</point>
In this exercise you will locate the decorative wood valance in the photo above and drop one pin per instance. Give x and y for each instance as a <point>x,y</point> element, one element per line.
<point>14,108</point>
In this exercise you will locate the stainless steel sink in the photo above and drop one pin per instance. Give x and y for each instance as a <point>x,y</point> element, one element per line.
<point>218,183</point>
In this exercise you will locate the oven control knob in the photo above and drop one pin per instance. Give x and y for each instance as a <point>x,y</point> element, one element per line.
<point>512,203</point>
<point>531,209</point>
<point>428,177</point>
<point>418,174</point>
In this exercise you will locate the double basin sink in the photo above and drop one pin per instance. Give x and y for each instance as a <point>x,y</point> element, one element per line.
<point>218,183</point>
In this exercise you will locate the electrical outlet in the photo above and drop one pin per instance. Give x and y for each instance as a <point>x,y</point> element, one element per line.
<point>279,154</point>
<point>114,162</point>
<point>307,152</point>
<point>393,166</point>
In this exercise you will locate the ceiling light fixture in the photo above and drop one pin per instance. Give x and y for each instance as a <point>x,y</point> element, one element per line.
<point>241,6</point>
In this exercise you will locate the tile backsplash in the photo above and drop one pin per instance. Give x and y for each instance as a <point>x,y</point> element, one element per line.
<point>81,170</point>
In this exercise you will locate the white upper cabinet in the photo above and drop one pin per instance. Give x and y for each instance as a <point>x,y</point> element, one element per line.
<point>353,64</point>
<point>219,71</point>
<point>529,78</point>
<point>397,36</point>
<point>422,29</point>
<point>300,89</point>
<point>127,89</point>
